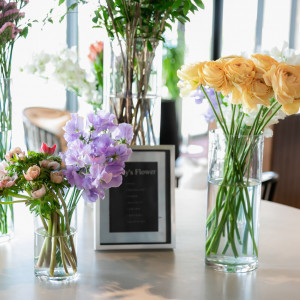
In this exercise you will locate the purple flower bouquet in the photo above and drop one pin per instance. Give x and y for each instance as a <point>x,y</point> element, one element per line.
<point>51,186</point>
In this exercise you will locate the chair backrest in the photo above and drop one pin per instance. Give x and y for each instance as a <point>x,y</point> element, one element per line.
<point>269,182</point>
<point>44,125</point>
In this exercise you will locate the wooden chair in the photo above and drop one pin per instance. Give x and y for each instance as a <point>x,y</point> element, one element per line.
<point>44,125</point>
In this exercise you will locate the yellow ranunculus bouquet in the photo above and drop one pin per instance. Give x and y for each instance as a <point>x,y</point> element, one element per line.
<point>245,96</point>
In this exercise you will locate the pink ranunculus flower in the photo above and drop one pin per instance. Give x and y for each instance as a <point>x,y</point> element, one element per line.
<point>8,181</point>
<point>49,164</point>
<point>16,151</point>
<point>57,177</point>
<point>45,149</point>
<point>32,173</point>
<point>39,193</point>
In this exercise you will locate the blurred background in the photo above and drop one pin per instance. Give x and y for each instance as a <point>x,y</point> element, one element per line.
<point>224,27</point>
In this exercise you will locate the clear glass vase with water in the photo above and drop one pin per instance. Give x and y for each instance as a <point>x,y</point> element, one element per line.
<point>234,193</point>
<point>6,211</point>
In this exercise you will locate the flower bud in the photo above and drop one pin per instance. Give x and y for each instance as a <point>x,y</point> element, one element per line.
<point>48,150</point>
<point>16,151</point>
<point>38,193</point>
<point>57,177</point>
<point>49,164</point>
<point>32,173</point>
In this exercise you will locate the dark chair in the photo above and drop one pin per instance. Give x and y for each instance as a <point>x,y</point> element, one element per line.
<point>269,182</point>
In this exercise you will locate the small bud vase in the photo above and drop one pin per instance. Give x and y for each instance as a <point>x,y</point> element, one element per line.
<point>55,255</point>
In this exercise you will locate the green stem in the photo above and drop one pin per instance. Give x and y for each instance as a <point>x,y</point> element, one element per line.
<point>54,243</point>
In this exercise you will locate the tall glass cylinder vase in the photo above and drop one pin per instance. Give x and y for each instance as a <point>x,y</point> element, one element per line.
<point>133,86</point>
<point>234,193</point>
<point>6,211</point>
<point>55,255</point>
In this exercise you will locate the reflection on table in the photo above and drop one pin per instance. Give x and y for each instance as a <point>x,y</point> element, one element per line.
<point>179,274</point>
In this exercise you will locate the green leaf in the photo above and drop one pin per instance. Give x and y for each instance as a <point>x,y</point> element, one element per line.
<point>199,3</point>
<point>24,32</point>
<point>149,46</point>
<point>176,4</point>
<point>186,7</point>
<point>61,2</point>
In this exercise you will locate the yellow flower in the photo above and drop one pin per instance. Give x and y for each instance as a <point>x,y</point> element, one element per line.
<point>214,76</point>
<point>285,80</point>
<point>236,96</point>
<point>257,93</point>
<point>263,62</point>
<point>291,108</point>
<point>185,88</point>
<point>239,71</point>
<point>191,75</point>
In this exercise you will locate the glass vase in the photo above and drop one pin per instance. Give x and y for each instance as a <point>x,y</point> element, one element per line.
<point>132,86</point>
<point>55,253</point>
<point>6,211</point>
<point>234,193</point>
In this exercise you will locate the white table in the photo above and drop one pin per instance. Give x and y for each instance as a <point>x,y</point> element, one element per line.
<point>180,274</point>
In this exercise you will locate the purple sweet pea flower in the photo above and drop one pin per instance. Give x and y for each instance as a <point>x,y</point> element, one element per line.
<point>74,128</point>
<point>93,194</point>
<point>123,132</point>
<point>96,154</point>
<point>200,98</point>
<point>101,121</point>
<point>101,143</point>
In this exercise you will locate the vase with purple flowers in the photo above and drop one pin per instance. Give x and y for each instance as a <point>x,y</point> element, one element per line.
<point>51,186</point>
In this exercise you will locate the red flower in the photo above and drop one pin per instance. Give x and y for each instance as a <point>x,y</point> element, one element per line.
<point>95,49</point>
<point>46,149</point>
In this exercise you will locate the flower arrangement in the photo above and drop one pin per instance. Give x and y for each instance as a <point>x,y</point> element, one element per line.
<point>245,96</point>
<point>94,162</point>
<point>137,27</point>
<point>11,28</point>
<point>66,69</point>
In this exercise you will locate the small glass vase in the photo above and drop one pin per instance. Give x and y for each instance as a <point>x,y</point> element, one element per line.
<point>55,253</point>
<point>132,86</point>
<point>6,211</point>
<point>234,193</point>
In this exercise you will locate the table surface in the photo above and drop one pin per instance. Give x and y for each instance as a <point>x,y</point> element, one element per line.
<point>157,275</point>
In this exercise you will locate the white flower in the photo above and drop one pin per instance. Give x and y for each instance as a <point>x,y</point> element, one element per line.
<point>285,54</point>
<point>268,133</point>
<point>250,117</point>
<point>65,68</point>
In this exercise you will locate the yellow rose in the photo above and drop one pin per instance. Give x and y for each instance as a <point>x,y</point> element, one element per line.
<point>263,62</point>
<point>285,80</point>
<point>214,77</point>
<point>291,108</point>
<point>239,71</point>
<point>191,75</point>
<point>257,93</point>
